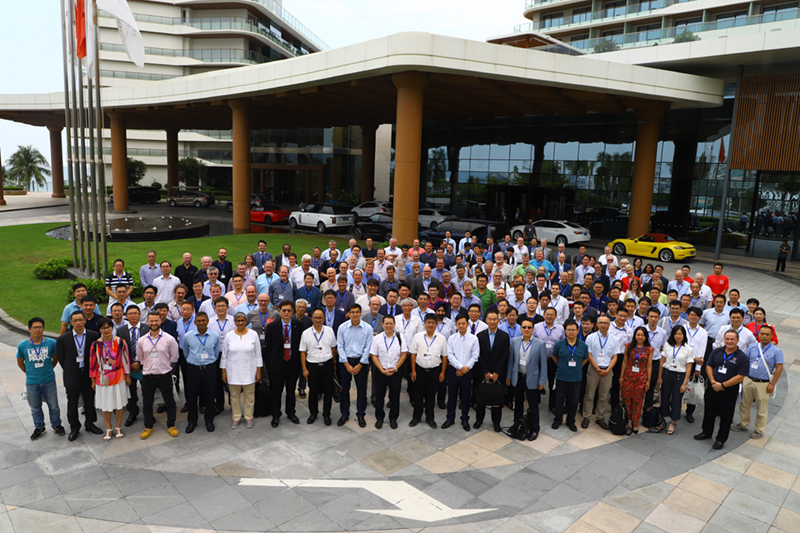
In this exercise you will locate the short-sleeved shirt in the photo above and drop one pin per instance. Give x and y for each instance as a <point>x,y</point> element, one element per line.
<point>603,349</point>
<point>713,321</point>
<point>570,360</point>
<point>717,283</point>
<point>429,352</point>
<point>38,360</point>
<point>112,280</point>
<point>388,350</point>
<point>725,366</point>
<point>318,345</point>
<point>771,354</point>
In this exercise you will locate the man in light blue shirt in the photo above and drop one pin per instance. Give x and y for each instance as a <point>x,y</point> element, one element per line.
<point>281,289</point>
<point>541,261</point>
<point>251,304</point>
<point>201,348</point>
<point>149,272</point>
<point>604,350</point>
<point>263,281</point>
<point>354,339</point>
<point>326,255</point>
<point>766,367</point>
<point>679,284</point>
<point>716,317</point>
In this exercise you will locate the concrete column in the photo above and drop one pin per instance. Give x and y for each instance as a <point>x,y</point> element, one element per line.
<point>408,146</point>
<point>644,167</point>
<point>241,166</point>
<point>368,162</point>
<point>680,197</point>
<point>56,162</point>
<point>119,161</point>
<point>172,160</point>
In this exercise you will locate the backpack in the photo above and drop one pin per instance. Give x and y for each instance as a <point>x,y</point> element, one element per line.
<point>618,421</point>
<point>520,429</point>
<point>652,419</point>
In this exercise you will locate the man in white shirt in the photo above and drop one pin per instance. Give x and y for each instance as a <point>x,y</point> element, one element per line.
<point>657,337</point>
<point>462,354</point>
<point>583,269</point>
<point>467,239</point>
<point>604,350</point>
<point>520,250</point>
<point>392,252</point>
<point>409,323</point>
<point>557,302</point>
<point>619,329</point>
<point>317,349</point>
<point>298,274</point>
<point>327,253</point>
<point>388,353</point>
<point>705,291</point>
<point>380,265</point>
<point>208,306</point>
<point>500,265</point>
<point>746,337</point>
<point>607,255</point>
<point>475,324</point>
<point>697,339</point>
<point>213,279</point>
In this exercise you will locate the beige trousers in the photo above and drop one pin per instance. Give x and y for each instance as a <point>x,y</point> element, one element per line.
<point>753,391</point>
<point>602,386</point>
<point>249,393</point>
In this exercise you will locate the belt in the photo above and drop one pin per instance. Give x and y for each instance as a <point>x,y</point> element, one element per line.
<point>759,380</point>
<point>157,376</point>
<point>354,361</point>
<point>202,367</point>
<point>319,364</point>
<point>423,369</point>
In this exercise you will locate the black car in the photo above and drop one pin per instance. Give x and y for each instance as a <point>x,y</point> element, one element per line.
<point>141,195</point>
<point>459,227</point>
<point>600,213</point>
<point>378,226</point>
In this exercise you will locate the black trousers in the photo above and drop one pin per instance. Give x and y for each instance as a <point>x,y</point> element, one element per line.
<point>320,381</point>
<point>149,385</point>
<point>781,265</point>
<point>284,377</point>
<point>480,411</point>
<point>522,392</point>
<point>133,401</point>
<point>615,386</point>
<point>200,382</point>
<point>567,391</point>
<point>84,388</point>
<point>648,396</point>
<point>182,367</point>
<point>671,396</point>
<point>719,404</point>
<point>441,393</point>
<point>458,387</point>
<point>382,382</point>
<point>345,378</point>
<point>425,389</point>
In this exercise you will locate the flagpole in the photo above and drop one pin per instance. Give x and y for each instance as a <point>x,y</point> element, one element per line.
<point>93,167</point>
<point>85,178</point>
<point>723,206</point>
<point>68,125</point>
<point>76,154</point>
<point>101,178</point>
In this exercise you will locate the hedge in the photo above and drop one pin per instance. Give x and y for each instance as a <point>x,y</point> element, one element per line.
<point>53,269</point>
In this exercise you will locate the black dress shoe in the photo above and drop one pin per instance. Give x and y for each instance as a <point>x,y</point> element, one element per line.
<point>59,430</point>
<point>361,422</point>
<point>73,434</point>
<point>161,409</point>
<point>477,425</point>
<point>572,427</point>
<point>701,436</point>
<point>689,417</point>
<point>185,409</point>
<point>311,419</point>
<point>465,425</point>
<point>393,424</point>
<point>210,427</point>
<point>190,427</point>
<point>442,405</point>
<point>556,424</point>
<point>131,419</point>
<point>275,421</point>
<point>533,435</point>
<point>293,419</point>
<point>447,424</point>
<point>327,420</point>
<point>413,423</point>
<point>585,423</point>
<point>91,428</point>
<point>602,424</point>
<point>378,423</point>
<point>717,445</point>
<point>432,424</point>
<point>343,420</point>
<point>302,394</point>
<point>497,428</point>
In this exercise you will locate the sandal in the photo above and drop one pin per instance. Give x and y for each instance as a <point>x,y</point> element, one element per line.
<point>119,433</point>
<point>671,429</point>
<point>108,435</point>
<point>636,431</point>
<point>629,430</point>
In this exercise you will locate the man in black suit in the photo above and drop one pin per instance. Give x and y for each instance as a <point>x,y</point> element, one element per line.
<point>283,259</point>
<point>494,345</point>
<point>420,285</point>
<point>225,267</point>
<point>131,335</point>
<point>73,354</point>
<point>333,317</point>
<point>283,360</point>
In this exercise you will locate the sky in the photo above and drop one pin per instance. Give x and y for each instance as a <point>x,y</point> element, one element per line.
<point>31,57</point>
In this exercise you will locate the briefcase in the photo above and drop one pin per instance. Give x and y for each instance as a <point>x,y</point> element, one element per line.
<point>262,403</point>
<point>490,393</point>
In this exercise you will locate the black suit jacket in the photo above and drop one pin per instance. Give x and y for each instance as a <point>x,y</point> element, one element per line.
<point>124,333</point>
<point>339,318</point>
<point>384,310</point>
<point>273,354</point>
<point>170,327</point>
<point>417,287</point>
<point>225,273</point>
<point>493,359</point>
<point>68,357</point>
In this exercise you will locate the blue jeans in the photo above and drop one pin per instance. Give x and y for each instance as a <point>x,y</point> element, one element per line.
<point>49,393</point>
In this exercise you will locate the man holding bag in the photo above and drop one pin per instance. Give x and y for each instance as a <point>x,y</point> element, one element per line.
<point>766,367</point>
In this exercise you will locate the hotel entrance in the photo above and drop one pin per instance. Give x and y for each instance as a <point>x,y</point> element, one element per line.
<point>289,185</point>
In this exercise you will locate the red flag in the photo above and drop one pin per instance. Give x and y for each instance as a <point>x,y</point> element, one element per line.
<point>80,28</point>
<point>722,150</point>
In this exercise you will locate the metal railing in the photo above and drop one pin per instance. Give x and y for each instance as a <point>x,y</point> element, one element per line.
<point>136,75</point>
<point>530,3</point>
<point>212,56</point>
<point>620,12</point>
<point>278,9</point>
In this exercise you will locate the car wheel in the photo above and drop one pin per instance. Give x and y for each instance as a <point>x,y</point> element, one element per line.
<point>173,203</point>
<point>732,243</point>
<point>267,219</point>
<point>387,236</point>
<point>358,234</point>
<point>561,239</point>
<point>293,223</point>
<point>198,204</point>
<point>321,227</point>
<point>619,249</point>
<point>434,224</point>
<point>230,208</point>
<point>517,234</point>
<point>666,255</point>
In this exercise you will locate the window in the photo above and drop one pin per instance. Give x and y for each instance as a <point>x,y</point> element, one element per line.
<point>779,9</point>
<point>552,20</point>
<point>730,20</point>
<point>425,212</point>
<point>685,23</point>
<point>576,38</point>
<point>582,14</point>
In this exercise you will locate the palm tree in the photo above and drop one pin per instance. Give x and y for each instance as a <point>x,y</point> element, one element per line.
<point>28,164</point>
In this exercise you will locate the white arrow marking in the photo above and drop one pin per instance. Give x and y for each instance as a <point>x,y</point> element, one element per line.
<point>411,502</point>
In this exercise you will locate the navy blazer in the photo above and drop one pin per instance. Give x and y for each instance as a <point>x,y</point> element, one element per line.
<point>339,318</point>
<point>536,368</point>
<point>259,262</point>
<point>74,376</point>
<point>273,355</point>
<point>493,359</point>
<point>384,310</point>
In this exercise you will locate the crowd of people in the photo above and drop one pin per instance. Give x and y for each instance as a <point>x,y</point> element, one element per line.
<point>466,326</point>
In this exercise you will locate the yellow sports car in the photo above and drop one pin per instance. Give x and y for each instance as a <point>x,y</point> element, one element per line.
<point>658,245</point>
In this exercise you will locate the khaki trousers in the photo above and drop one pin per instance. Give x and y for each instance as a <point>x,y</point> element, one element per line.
<point>594,383</point>
<point>249,393</point>
<point>753,391</point>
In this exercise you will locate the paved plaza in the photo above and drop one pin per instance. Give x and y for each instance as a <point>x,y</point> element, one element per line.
<point>317,478</point>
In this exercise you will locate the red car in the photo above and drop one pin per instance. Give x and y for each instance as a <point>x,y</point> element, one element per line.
<point>269,214</point>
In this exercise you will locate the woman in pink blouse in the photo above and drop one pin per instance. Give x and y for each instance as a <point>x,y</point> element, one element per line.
<point>110,368</point>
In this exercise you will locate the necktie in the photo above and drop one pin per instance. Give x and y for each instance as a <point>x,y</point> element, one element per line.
<point>473,329</point>
<point>287,353</point>
<point>134,339</point>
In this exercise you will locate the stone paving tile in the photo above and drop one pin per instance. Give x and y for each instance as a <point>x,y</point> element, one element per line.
<point>583,527</point>
<point>117,511</point>
<point>752,507</point>
<point>771,475</point>
<point>492,460</point>
<point>633,503</point>
<point>728,520</point>
<point>705,487</point>
<point>489,440</point>
<point>787,521</point>
<point>414,449</point>
<point>385,462</point>
<point>556,520</point>
<point>360,447</point>
<point>734,462</point>
<point>32,491</point>
<point>467,452</point>
<point>762,490</point>
<point>718,474</point>
<point>155,500</point>
<point>440,463</point>
<point>90,496</point>
<point>247,519</point>
<point>564,494</point>
<point>184,514</point>
<point>692,504</point>
<point>610,520</point>
<point>674,520</point>
<point>55,504</point>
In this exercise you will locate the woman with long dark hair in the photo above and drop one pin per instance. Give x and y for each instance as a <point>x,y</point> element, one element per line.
<point>636,376</point>
<point>678,364</point>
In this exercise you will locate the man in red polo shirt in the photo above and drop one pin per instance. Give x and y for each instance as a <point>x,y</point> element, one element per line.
<point>717,282</point>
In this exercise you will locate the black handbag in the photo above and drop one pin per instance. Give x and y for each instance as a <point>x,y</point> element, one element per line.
<point>262,400</point>
<point>490,393</point>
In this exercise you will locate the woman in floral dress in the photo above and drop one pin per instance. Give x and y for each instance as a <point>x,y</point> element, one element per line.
<point>636,377</point>
<point>110,368</point>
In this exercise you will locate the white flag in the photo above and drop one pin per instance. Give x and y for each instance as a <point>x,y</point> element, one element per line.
<point>91,31</point>
<point>128,30</point>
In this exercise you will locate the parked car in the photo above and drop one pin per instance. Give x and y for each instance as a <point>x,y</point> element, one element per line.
<point>459,227</point>
<point>656,245</point>
<point>430,218</point>
<point>611,228</point>
<point>557,231</point>
<point>599,213</point>
<point>378,226</point>
<point>267,214</point>
<point>141,195</point>
<point>708,237</point>
<point>195,198</point>
<point>258,200</point>
<point>368,208</point>
<point>322,216</point>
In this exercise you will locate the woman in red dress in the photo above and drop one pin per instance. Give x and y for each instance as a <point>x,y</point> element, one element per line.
<point>636,377</point>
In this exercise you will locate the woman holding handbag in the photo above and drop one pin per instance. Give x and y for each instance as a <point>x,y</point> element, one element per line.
<point>636,376</point>
<point>678,362</point>
<point>109,368</point>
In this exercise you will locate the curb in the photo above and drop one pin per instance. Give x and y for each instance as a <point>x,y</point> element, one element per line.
<point>34,207</point>
<point>15,325</point>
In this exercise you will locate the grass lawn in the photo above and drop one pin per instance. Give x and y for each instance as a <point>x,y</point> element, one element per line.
<point>23,296</point>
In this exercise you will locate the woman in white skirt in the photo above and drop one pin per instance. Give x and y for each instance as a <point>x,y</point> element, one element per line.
<point>241,364</point>
<point>110,368</point>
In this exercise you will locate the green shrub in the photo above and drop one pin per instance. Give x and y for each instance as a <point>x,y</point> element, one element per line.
<point>606,45</point>
<point>97,287</point>
<point>686,37</point>
<point>53,269</point>
<point>157,185</point>
<point>13,188</point>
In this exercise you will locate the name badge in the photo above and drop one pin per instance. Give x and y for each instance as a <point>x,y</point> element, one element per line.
<point>204,355</point>
<point>287,345</point>
<point>722,370</point>
<point>635,369</point>
<point>549,346</point>
<point>38,365</point>
<point>672,367</point>
<point>754,366</point>
<point>573,363</point>
<point>426,356</point>
<point>154,353</point>
<point>319,349</point>
<point>262,336</point>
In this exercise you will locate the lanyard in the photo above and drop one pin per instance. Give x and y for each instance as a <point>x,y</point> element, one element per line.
<point>528,347</point>
<point>630,323</point>
<point>373,321</point>
<point>202,338</point>
<point>428,344</point>
<point>287,330</point>
<point>573,348</point>
<point>283,285</point>
<point>37,351</point>
<point>196,303</point>
<point>603,344</point>
<point>318,339</point>
<point>406,323</point>
<point>263,319</point>
<point>727,357</point>
<point>340,297</point>
<point>108,350</point>
<point>675,350</point>
<point>239,297</point>
<point>329,316</point>
<point>150,338</point>
<point>440,327</point>
<point>549,331</point>
<point>693,335</point>
<point>512,332</point>
<point>222,327</point>
<point>308,293</point>
<point>388,345</point>
<point>82,338</point>
<point>186,326</point>
<point>638,354</point>
<point>221,267</point>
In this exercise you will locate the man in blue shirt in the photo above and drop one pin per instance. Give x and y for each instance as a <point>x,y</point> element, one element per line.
<point>201,348</point>
<point>570,355</point>
<point>36,357</point>
<point>716,317</point>
<point>265,279</point>
<point>79,290</point>
<point>354,339</point>
<point>766,367</point>
<point>281,289</point>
